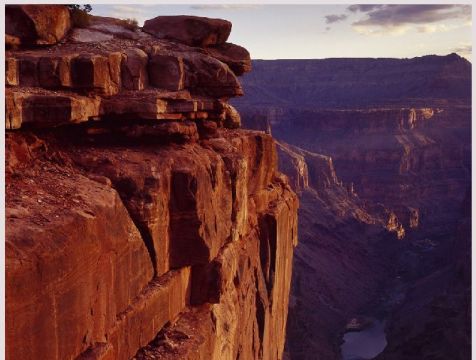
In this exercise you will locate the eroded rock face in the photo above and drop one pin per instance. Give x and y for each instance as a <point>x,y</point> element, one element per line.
<point>136,207</point>
<point>35,24</point>
<point>147,71</point>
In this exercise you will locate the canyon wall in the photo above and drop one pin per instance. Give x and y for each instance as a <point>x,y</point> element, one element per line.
<point>400,146</point>
<point>342,257</point>
<point>140,221</point>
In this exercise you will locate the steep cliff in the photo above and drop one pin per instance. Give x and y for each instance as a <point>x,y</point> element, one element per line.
<point>341,262</point>
<point>402,147</point>
<point>140,223</point>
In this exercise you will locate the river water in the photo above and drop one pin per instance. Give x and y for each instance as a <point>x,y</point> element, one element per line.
<point>365,344</point>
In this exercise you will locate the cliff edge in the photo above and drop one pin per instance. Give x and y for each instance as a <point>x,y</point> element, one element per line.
<point>141,222</point>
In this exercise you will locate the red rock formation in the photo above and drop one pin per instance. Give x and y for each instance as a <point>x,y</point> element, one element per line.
<point>135,212</point>
<point>32,25</point>
<point>189,30</point>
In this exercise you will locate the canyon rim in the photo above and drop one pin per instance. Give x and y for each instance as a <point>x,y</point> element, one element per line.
<point>170,196</point>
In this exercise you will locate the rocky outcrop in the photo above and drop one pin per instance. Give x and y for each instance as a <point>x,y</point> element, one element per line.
<point>189,30</point>
<point>141,222</point>
<point>88,77</point>
<point>32,25</point>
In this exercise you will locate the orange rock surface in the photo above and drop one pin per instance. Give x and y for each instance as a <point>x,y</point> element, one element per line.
<point>140,219</point>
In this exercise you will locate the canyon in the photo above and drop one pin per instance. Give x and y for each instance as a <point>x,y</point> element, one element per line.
<point>141,221</point>
<point>167,197</point>
<point>379,152</point>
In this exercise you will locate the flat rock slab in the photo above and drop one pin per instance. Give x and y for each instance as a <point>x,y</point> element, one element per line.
<point>88,35</point>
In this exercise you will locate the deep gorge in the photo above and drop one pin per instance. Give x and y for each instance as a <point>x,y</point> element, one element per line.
<point>382,166</point>
<point>167,197</point>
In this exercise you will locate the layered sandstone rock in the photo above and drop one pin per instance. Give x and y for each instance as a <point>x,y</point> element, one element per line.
<point>91,76</point>
<point>136,210</point>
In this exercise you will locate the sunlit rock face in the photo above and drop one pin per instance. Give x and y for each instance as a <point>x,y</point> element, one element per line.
<point>141,222</point>
<point>401,151</point>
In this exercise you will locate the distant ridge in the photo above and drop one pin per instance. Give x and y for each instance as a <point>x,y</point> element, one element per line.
<point>358,82</point>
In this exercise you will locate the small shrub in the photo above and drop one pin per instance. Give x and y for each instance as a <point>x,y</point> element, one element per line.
<point>79,15</point>
<point>80,18</point>
<point>130,24</point>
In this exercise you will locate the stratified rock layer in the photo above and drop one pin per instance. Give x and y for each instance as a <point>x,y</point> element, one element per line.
<point>136,210</point>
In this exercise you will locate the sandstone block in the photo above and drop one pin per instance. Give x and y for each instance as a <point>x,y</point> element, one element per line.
<point>37,24</point>
<point>11,72</point>
<point>97,72</point>
<point>28,71</point>
<point>190,30</point>
<point>235,56</point>
<point>54,72</point>
<point>47,109</point>
<point>13,110</point>
<point>166,72</point>
<point>139,106</point>
<point>206,75</point>
<point>134,69</point>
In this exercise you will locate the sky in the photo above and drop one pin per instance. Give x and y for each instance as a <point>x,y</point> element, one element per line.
<point>326,31</point>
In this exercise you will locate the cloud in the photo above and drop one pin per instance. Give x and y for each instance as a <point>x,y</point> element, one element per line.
<point>224,6</point>
<point>363,8</point>
<point>463,49</point>
<point>127,10</point>
<point>330,19</point>
<point>397,19</point>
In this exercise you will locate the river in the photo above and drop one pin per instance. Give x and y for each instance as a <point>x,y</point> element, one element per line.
<point>364,344</point>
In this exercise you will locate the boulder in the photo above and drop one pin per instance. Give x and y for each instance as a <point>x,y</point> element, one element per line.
<point>36,24</point>
<point>134,69</point>
<point>232,117</point>
<point>205,75</point>
<point>166,72</point>
<point>190,30</point>
<point>235,56</point>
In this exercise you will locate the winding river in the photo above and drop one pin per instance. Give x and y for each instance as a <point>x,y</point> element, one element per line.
<point>364,344</point>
